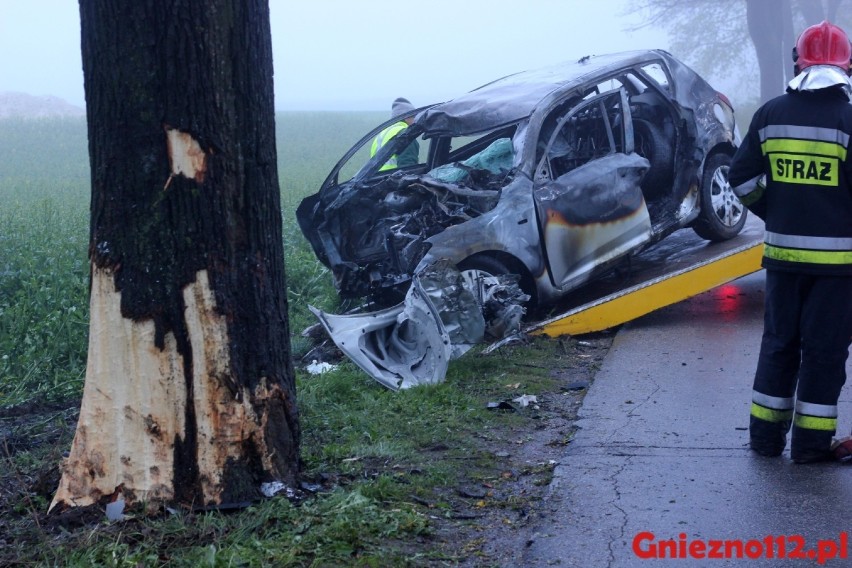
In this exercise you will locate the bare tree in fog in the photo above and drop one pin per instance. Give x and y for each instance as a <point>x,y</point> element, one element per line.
<point>719,36</point>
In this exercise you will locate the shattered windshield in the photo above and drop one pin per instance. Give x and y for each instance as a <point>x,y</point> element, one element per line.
<point>399,209</point>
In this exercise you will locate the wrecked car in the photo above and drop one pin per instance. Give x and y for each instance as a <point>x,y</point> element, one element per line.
<point>554,175</point>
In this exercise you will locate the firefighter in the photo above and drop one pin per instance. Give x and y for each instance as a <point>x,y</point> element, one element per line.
<point>794,170</point>
<point>411,154</point>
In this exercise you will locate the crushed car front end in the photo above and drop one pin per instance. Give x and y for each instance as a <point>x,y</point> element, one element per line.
<point>549,178</point>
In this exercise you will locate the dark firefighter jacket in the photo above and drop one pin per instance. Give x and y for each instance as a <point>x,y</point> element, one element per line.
<point>800,141</point>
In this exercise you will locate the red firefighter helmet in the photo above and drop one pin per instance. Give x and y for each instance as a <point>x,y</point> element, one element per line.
<point>823,44</point>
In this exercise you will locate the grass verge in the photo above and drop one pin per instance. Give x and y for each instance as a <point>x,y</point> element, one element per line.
<point>424,477</point>
<point>410,478</point>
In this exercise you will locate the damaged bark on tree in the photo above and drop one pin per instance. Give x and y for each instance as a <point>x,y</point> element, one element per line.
<point>189,397</point>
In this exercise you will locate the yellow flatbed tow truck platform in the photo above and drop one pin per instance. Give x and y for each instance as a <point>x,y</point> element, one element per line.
<point>680,266</point>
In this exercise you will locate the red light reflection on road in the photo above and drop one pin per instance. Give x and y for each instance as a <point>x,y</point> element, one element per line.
<point>729,298</point>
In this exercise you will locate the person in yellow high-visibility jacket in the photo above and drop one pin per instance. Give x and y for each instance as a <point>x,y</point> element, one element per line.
<point>411,154</point>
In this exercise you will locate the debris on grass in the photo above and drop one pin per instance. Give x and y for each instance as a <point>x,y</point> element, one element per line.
<point>318,368</point>
<point>525,399</point>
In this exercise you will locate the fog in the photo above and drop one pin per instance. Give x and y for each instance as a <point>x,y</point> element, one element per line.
<point>344,55</point>
<point>331,55</point>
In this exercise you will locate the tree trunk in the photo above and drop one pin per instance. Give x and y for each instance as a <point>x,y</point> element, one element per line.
<point>768,22</point>
<point>831,9</point>
<point>815,12</point>
<point>189,396</point>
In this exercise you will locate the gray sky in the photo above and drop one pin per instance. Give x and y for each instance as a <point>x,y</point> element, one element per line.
<point>354,55</point>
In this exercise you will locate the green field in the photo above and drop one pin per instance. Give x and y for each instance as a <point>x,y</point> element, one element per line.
<point>386,464</point>
<point>44,232</point>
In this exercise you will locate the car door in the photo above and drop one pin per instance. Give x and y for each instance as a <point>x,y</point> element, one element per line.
<point>587,192</point>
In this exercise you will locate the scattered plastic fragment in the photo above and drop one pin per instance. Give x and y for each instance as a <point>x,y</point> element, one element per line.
<point>318,368</point>
<point>525,399</point>
<point>273,488</point>
<point>115,510</point>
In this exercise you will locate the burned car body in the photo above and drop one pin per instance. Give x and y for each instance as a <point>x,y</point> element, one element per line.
<point>554,175</point>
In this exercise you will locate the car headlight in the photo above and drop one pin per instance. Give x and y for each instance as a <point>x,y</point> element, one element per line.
<point>725,116</point>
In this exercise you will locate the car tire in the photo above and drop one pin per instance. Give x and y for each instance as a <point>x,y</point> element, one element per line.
<point>722,215</point>
<point>652,144</point>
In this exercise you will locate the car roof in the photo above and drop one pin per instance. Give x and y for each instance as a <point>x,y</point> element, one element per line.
<point>514,97</point>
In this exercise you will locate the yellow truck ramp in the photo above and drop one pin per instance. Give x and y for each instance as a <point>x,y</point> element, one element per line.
<point>677,268</point>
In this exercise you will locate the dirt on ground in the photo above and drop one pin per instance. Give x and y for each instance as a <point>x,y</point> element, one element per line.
<point>489,522</point>
<point>44,431</point>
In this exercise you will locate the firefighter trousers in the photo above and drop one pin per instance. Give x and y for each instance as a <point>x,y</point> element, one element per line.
<point>802,363</point>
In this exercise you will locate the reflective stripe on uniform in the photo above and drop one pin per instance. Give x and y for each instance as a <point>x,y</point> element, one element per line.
<point>810,147</point>
<point>811,250</point>
<point>774,402</point>
<point>750,191</point>
<point>816,416</point>
<point>812,409</point>
<point>813,243</point>
<point>815,422</point>
<point>807,256</point>
<point>769,414</point>
<point>805,133</point>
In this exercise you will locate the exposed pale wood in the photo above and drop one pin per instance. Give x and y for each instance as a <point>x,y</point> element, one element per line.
<point>135,398</point>
<point>133,407</point>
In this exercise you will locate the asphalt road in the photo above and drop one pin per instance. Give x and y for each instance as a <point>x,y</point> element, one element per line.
<point>662,455</point>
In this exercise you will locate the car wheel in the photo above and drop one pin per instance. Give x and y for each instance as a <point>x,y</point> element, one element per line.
<point>652,144</point>
<point>476,267</point>
<point>722,215</point>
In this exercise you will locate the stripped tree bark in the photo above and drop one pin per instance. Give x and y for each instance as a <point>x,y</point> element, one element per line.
<point>189,396</point>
